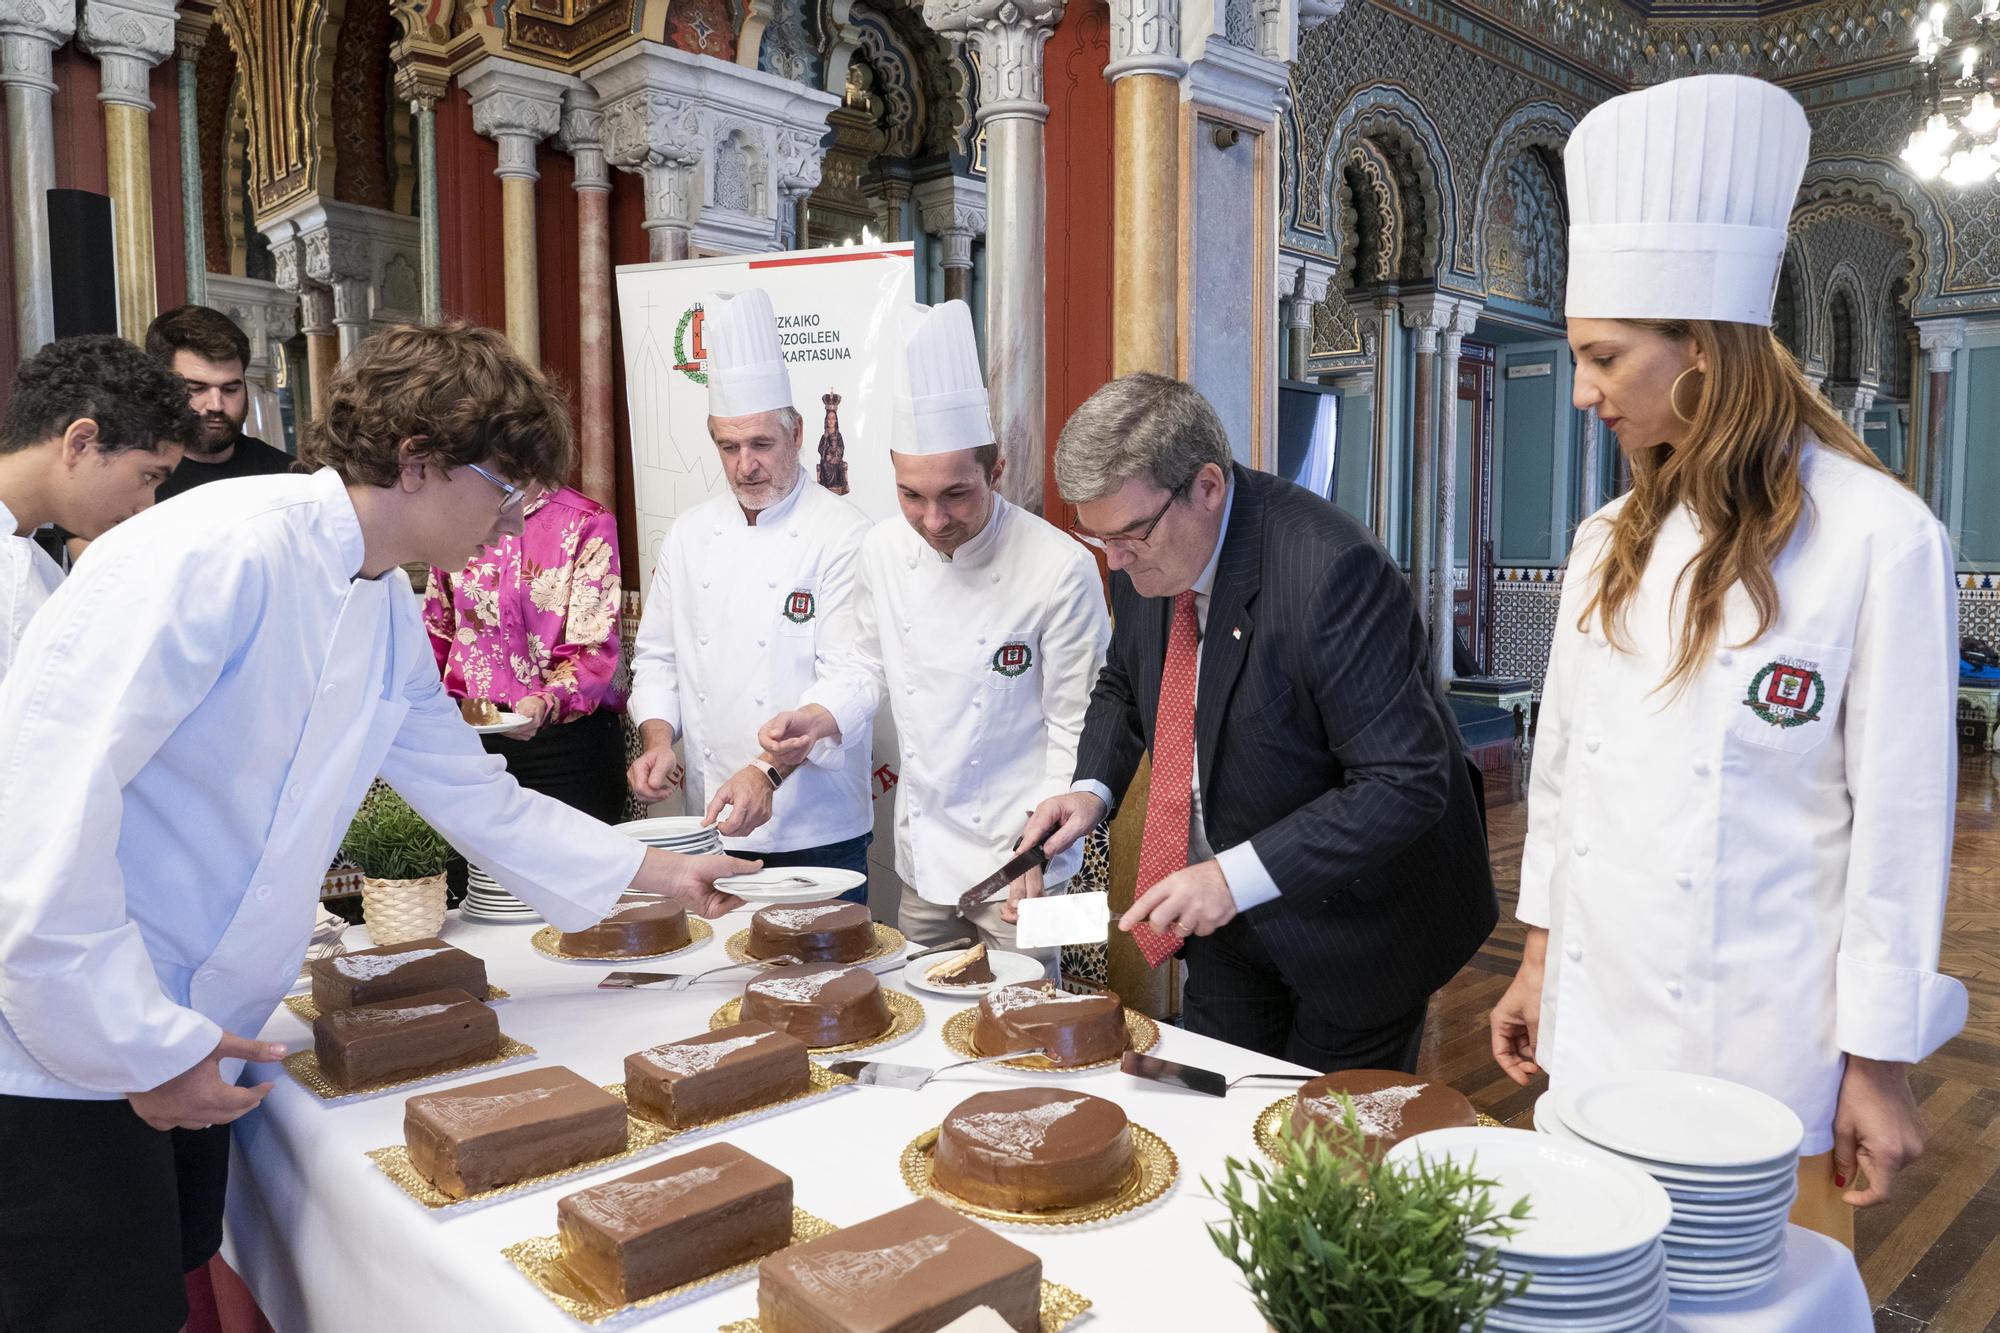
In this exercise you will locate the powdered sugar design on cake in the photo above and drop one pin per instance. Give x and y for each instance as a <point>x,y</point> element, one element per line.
<point>698,1058</point>
<point>800,989</point>
<point>851,1277</point>
<point>468,1113</point>
<point>629,909</point>
<point>370,967</point>
<point>1016,1133</point>
<point>1009,998</point>
<point>801,918</point>
<point>375,1017</point>
<point>1379,1113</point>
<point>626,1203</point>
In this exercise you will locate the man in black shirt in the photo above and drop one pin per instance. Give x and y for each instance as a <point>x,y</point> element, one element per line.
<point>205,348</point>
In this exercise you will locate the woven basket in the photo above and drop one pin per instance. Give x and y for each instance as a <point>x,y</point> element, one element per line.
<point>397,911</point>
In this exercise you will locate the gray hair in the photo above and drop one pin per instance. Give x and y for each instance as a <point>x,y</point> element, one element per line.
<point>1138,423</point>
<point>789,422</point>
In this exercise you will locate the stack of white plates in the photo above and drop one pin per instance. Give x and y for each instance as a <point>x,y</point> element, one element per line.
<point>685,834</point>
<point>485,900</point>
<point>1726,1155</point>
<point>1590,1246</point>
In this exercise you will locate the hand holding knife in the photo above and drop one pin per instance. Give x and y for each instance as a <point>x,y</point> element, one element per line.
<point>996,884</point>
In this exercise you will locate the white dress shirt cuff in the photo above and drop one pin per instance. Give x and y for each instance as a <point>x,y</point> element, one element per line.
<point>1894,1013</point>
<point>1243,870</point>
<point>653,700</point>
<point>1095,788</point>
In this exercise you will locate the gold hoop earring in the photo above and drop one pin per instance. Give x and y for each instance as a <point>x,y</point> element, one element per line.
<point>1674,396</point>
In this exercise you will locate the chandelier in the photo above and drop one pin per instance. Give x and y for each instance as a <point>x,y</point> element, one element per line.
<point>1958,117</point>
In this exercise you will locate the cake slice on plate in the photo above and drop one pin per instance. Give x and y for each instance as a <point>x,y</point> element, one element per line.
<point>969,968</point>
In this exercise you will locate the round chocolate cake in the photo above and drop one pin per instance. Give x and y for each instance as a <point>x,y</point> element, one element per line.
<point>822,1004</point>
<point>635,928</point>
<point>1033,1149</point>
<point>1389,1105</point>
<point>823,932</point>
<point>1035,1015</point>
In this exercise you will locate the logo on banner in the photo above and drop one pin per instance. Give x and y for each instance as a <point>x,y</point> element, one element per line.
<point>799,607</point>
<point>689,353</point>
<point>1786,693</point>
<point>1012,659</point>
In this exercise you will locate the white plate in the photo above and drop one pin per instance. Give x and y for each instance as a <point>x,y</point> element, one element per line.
<point>505,723</point>
<point>775,884</point>
<point>1683,1120</point>
<point>1008,969</point>
<point>1564,1279</point>
<point>1547,1292</point>
<point>1512,1319</point>
<point>1585,1201</point>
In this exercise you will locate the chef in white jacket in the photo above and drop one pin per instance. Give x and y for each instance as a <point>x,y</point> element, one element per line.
<point>188,727</point>
<point>738,618</point>
<point>982,626</point>
<point>1740,816</point>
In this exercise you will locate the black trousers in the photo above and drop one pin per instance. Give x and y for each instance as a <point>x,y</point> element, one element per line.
<point>580,763</point>
<point>1237,992</point>
<point>101,1216</point>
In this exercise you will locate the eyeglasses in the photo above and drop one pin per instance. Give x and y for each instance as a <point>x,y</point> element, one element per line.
<point>512,497</point>
<point>1125,541</point>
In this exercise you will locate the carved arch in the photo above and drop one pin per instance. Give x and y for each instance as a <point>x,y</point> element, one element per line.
<point>1532,125</point>
<point>1834,184</point>
<point>1403,131</point>
<point>1849,342</point>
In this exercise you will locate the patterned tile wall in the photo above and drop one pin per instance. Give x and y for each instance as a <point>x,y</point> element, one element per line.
<point>1979,607</point>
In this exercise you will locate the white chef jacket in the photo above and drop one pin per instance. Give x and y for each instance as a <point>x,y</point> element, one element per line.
<point>27,579</point>
<point>987,660</point>
<point>738,622</point>
<point>1747,878</point>
<point>188,728</point>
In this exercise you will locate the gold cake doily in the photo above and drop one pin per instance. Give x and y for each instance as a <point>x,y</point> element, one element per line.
<point>541,1259</point>
<point>1061,1307</point>
<point>304,1066</point>
<point>308,1009</point>
<point>1155,1168</point>
<point>888,940</point>
<point>1274,1126</point>
<point>1142,1031</point>
<point>546,939</point>
<point>906,1015</point>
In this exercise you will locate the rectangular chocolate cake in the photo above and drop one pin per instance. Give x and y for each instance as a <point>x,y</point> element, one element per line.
<point>913,1270</point>
<point>674,1223</point>
<point>483,1135</point>
<point>395,971</point>
<point>406,1038</point>
<point>718,1073</point>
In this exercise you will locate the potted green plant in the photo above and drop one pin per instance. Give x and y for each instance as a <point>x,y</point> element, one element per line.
<point>1330,1241</point>
<point>402,862</point>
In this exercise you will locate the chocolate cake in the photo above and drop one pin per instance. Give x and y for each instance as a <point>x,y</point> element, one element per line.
<point>822,932</point>
<point>393,972</point>
<point>718,1073</point>
<point>468,1139</point>
<point>822,1004</point>
<point>1033,1149</point>
<point>1069,1029</point>
<point>1389,1105</point>
<point>674,1223</point>
<point>634,928</point>
<point>969,968</point>
<point>406,1038</point>
<point>912,1270</point>
<point>479,712</point>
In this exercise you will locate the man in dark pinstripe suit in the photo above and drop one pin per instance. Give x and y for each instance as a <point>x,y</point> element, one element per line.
<point>1313,839</point>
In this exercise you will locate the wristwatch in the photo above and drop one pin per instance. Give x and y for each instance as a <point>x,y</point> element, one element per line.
<point>770,772</point>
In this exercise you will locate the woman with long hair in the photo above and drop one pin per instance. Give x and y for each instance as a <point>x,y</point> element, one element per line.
<point>1740,816</point>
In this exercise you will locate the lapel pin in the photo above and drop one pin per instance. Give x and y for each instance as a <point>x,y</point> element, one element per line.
<point>1236,633</point>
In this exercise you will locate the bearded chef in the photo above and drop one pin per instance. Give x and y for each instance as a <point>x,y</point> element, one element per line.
<point>982,625</point>
<point>1740,819</point>
<point>738,619</point>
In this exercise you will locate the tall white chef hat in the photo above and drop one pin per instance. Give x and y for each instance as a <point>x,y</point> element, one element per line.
<point>942,405</point>
<point>746,366</point>
<point>1679,195</point>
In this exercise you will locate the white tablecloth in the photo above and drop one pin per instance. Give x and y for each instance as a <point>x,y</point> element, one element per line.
<point>328,1245</point>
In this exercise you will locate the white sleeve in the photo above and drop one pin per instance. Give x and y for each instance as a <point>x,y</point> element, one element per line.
<point>21,594</point>
<point>1900,728</point>
<point>656,692</point>
<point>852,680</point>
<point>833,642</point>
<point>1551,739</point>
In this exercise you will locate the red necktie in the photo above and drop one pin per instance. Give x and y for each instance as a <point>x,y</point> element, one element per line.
<point>1163,848</point>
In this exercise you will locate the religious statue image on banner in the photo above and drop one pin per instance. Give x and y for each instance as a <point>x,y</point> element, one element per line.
<point>832,448</point>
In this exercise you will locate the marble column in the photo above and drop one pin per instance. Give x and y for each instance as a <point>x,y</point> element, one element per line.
<point>322,343</point>
<point>129,37</point>
<point>1386,342</point>
<point>423,87</point>
<point>583,138</point>
<point>190,35</point>
<point>653,126</point>
<point>1145,73</point>
<point>30,31</point>
<point>1593,463</point>
<point>1941,340</point>
<point>1425,315</point>
<point>517,106</point>
<point>1304,283</point>
<point>1443,591</point>
<point>1005,39</point>
<point>953,209</point>
<point>800,158</point>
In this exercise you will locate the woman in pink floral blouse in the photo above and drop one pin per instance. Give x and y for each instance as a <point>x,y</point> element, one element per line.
<point>532,624</point>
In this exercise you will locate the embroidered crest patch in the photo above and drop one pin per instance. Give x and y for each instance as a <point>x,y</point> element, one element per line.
<point>1786,693</point>
<point>1012,659</point>
<point>800,607</point>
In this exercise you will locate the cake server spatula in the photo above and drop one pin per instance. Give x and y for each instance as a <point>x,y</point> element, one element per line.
<point>879,1074</point>
<point>1192,1078</point>
<point>680,980</point>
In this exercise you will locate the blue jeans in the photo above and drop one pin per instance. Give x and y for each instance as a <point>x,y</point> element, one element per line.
<point>849,855</point>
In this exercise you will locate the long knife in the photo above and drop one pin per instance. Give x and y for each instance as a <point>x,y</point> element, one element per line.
<point>995,884</point>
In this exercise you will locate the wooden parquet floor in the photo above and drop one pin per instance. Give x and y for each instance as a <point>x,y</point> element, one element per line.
<point>1931,1255</point>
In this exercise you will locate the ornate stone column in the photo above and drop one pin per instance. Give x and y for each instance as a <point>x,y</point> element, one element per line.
<point>653,126</point>
<point>129,37</point>
<point>517,106</point>
<point>30,31</point>
<point>1005,39</point>
<point>1444,574</point>
<point>583,138</point>
<point>1386,342</point>
<point>190,34</point>
<point>1303,283</point>
<point>953,209</point>
<point>1425,315</point>
<point>423,87</point>
<point>1940,339</point>
<point>1145,73</point>
<point>1593,462</point>
<point>800,159</point>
